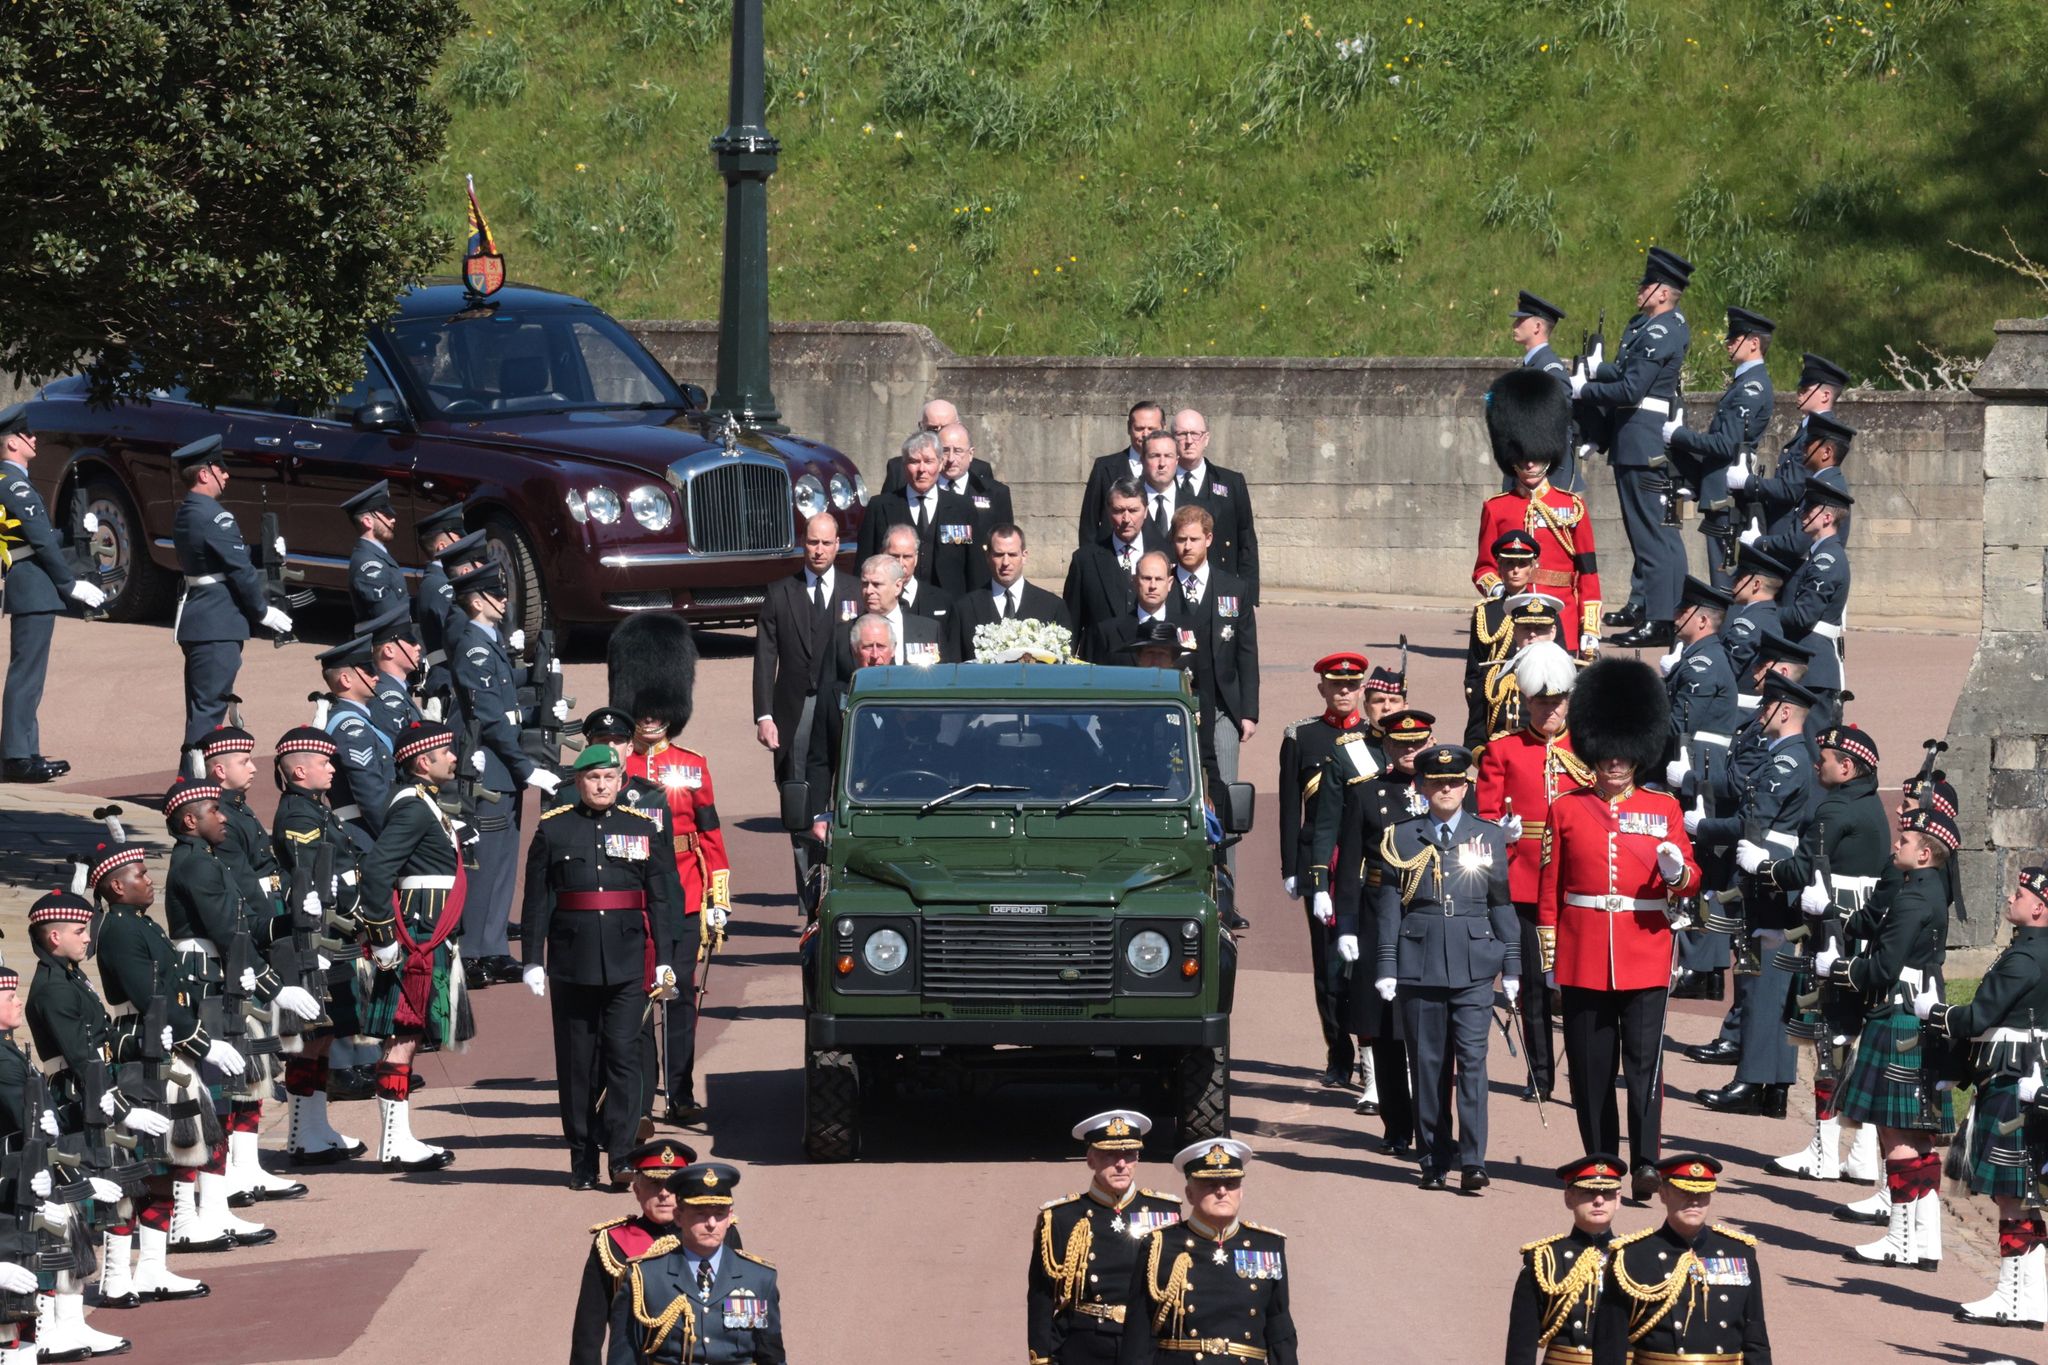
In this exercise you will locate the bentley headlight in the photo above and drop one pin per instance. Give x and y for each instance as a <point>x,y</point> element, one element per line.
<point>860,489</point>
<point>1148,953</point>
<point>603,505</point>
<point>651,507</point>
<point>841,491</point>
<point>577,511</point>
<point>810,496</point>
<point>885,951</point>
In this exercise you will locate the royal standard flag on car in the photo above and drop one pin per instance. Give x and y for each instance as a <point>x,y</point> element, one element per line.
<point>483,269</point>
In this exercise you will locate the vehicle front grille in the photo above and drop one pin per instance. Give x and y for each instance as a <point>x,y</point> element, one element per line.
<point>973,958</point>
<point>740,508</point>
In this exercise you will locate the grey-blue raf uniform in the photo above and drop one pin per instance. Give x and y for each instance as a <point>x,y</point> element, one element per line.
<point>1566,477</point>
<point>365,775</point>
<point>1641,386</point>
<point>376,581</point>
<point>223,598</point>
<point>1703,458</point>
<point>1746,625</point>
<point>1787,537</point>
<point>1446,929</point>
<point>38,588</point>
<point>392,708</point>
<point>436,601</point>
<point>1813,601</point>
<point>733,1314</point>
<point>1704,716</point>
<point>487,696</point>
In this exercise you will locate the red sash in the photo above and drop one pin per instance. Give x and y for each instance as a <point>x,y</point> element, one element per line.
<point>416,985</point>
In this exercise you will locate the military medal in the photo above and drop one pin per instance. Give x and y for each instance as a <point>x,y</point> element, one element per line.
<point>1221,1257</point>
<point>1116,1224</point>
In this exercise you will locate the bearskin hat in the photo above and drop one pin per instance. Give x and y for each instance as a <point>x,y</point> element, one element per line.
<point>651,668</point>
<point>1528,417</point>
<point>1619,710</point>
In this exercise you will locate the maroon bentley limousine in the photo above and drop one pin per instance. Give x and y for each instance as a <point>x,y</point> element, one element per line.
<point>604,486</point>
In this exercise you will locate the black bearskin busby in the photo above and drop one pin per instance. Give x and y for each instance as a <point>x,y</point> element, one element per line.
<point>1528,417</point>
<point>651,668</point>
<point>1619,710</point>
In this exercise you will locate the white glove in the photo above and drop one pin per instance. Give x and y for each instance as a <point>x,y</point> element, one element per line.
<point>1386,986</point>
<point>311,904</point>
<point>276,621</point>
<point>665,987</point>
<point>1325,911</point>
<point>1293,891</point>
<point>516,641</point>
<point>543,781</point>
<point>1749,857</point>
<point>17,1279</point>
<point>387,956</point>
<point>1693,818</point>
<point>169,1042</point>
<point>324,960</point>
<point>55,1214</point>
<point>1596,357</point>
<point>1738,477</point>
<point>1668,428</point>
<point>1751,536</point>
<point>224,1056</point>
<point>298,1000</point>
<point>1667,662</point>
<point>248,980</point>
<point>1926,999</point>
<point>106,1191</point>
<point>716,917</point>
<point>561,709</point>
<point>1578,384</point>
<point>1813,898</point>
<point>1670,862</point>
<point>49,1122</point>
<point>39,1183</point>
<point>1347,947</point>
<point>536,979</point>
<point>278,544</point>
<point>1824,961</point>
<point>1675,772</point>
<point>107,1103</point>
<point>2030,1086</point>
<point>86,595</point>
<point>1511,826</point>
<point>476,762</point>
<point>147,1122</point>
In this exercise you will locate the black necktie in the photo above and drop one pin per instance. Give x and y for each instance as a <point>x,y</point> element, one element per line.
<point>1443,834</point>
<point>818,593</point>
<point>1009,604</point>
<point>917,515</point>
<point>1187,484</point>
<point>1159,513</point>
<point>704,1281</point>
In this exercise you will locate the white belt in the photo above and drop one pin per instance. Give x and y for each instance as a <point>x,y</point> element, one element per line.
<point>1859,885</point>
<point>348,878</point>
<point>1708,737</point>
<point>1912,979</point>
<point>203,580</point>
<point>435,883</point>
<point>1660,406</point>
<point>1782,839</point>
<point>513,715</point>
<point>203,946</point>
<point>436,657</point>
<point>2010,1035</point>
<point>348,812</point>
<point>1615,905</point>
<point>1827,630</point>
<point>1749,703</point>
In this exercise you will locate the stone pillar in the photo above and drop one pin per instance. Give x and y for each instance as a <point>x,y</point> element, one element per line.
<point>1999,735</point>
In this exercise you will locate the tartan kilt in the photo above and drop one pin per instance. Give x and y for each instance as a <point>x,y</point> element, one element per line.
<point>1876,1091</point>
<point>451,1022</point>
<point>2001,1165</point>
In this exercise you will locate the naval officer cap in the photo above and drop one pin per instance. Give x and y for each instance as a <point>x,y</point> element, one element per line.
<point>1528,305</point>
<point>375,498</point>
<point>1213,1159</point>
<point>1115,1130</point>
<point>1534,609</point>
<point>1666,267</point>
<point>205,450</point>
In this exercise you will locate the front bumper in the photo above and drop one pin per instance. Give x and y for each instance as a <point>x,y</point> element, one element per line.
<point>825,1031</point>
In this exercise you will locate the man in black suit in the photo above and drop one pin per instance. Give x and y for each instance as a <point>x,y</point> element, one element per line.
<point>1098,587</point>
<point>917,640</point>
<point>790,650</point>
<point>919,597</point>
<point>936,417</point>
<point>1007,597</point>
<point>873,643</point>
<point>960,472</point>
<point>1151,582</point>
<point>1213,605</point>
<point>1144,418</point>
<point>1156,486</point>
<point>944,521</point>
<point>1222,492</point>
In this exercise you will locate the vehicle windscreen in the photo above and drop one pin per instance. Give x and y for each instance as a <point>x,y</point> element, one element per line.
<point>504,361</point>
<point>1043,752</point>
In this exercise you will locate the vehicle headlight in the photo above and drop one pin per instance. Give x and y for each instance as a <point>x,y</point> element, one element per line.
<point>860,489</point>
<point>885,951</point>
<point>810,496</point>
<point>841,491</point>
<point>602,504</point>
<point>577,511</point>
<point>651,507</point>
<point>1148,953</point>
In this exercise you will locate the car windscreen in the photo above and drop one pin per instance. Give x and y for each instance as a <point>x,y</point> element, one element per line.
<point>505,361</point>
<point>1033,753</point>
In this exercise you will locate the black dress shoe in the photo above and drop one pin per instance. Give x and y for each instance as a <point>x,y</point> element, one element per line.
<point>1720,1052</point>
<point>1472,1180</point>
<point>197,1291</point>
<point>438,1161</point>
<point>1697,986</point>
<point>1431,1180</point>
<point>1334,1078</point>
<point>1533,1093</point>
<point>1742,1097</point>
<point>26,770</point>
<point>580,1181</point>
<point>326,1156</point>
<point>56,765</point>
<point>1650,635</point>
<point>1628,614</point>
<point>685,1113</point>
<point>1642,1183</point>
<point>1846,1214</point>
<point>1366,1106</point>
<point>1398,1147</point>
<point>476,976</point>
<point>262,1237</point>
<point>506,972</point>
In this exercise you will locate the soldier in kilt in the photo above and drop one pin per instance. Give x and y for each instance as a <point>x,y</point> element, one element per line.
<point>137,967</point>
<point>2002,1032</point>
<point>18,1281</point>
<point>1891,1084</point>
<point>413,988</point>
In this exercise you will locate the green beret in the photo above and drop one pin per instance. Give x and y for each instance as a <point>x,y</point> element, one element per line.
<point>599,756</point>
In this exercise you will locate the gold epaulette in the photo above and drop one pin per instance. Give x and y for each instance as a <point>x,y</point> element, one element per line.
<point>750,1256</point>
<point>552,811</point>
<point>1741,1237</point>
<point>1055,1203</point>
<point>661,1246</point>
<point>1155,1194</point>
<point>1544,1241</point>
<point>1620,1242</point>
<point>1261,1227</point>
<point>609,1223</point>
<point>607,1254</point>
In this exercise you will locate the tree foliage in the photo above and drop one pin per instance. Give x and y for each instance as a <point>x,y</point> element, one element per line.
<point>216,193</point>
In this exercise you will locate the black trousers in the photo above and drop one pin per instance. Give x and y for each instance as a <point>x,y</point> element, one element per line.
<point>673,1066</point>
<point>1396,1087</point>
<point>1600,1029</point>
<point>28,663</point>
<point>597,1050</point>
<point>1326,970</point>
<point>1535,1005</point>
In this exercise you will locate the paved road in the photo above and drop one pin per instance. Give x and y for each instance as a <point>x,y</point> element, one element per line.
<point>917,1252</point>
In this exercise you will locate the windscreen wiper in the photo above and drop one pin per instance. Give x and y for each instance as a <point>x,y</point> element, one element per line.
<point>1085,797</point>
<point>970,789</point>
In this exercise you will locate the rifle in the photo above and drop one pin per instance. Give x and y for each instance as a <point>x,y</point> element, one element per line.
<point>106,1153</point>
<point>1801,1020</point>
<point>1592,426</point>
<point>1748,960</point>
<point>470,792</point>
<point>92,550</point>
<point>237,1009</point>
<point>268,555</point>
<point>25,1234</point>
<point>296,957</point>
<point>540,696</point>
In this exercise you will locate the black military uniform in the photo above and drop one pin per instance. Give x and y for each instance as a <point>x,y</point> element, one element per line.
<point>1550,1316</point>
<point>246,851</point>
<point>598,909</point>
<point>1083,1249</point>
<point>376,580</point>
<point>224,596</point>
<point>1203,1291</point>
<point>436,600</point>
<point>1491,635</point>
<point>1495,706</point>
<point>66,1017</point>
<point>39,584</point>
<point>674,1307</point>
<point>310,838</point>
<point>1703,458</point>
<point>1673,1297</point>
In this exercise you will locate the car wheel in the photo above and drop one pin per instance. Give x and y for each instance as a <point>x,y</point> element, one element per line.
<point>526,605</point>
<point>1202,1094</point>
<point>145,592</point>
<point>831,1106</point>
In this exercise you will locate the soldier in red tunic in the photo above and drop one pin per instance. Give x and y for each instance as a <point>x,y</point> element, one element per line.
<point>1615,857</point>
<point>1528,418</point>
<point>652,667</point>
<point>1520,775</point>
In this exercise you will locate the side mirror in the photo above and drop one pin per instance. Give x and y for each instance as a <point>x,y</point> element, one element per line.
<point>382,415</point>
<point>695,397</point>
<point>796,806</point>
<point>1238,799</point>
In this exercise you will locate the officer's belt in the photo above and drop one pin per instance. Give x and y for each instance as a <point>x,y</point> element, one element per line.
<point>1747,702</point>
<point>1709,737</point>
<point>427,882</point>
<point>1555,578</point>
<point>1827,630</point>
<point>1616,905</point>
<point>348,812</point>
<point>1559,1354</point>
<point>1108,1312</point>
<point>1642,1357</point>
<point>688,839</point>
<point>600,900</point>
<point>1860,886</point>
<point>1217,1346</point>
<point>202,946</point>
<point>1660,406</point>
<point>202,580</point>
<point>2010,1035</point>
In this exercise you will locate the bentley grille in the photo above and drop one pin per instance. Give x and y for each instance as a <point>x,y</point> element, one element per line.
<point>740,508</point>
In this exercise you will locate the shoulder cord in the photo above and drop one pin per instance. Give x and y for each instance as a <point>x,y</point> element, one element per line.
<point>658,1327</point>
<point>1496,643</point>
<point>1580,1285</point>
<point>1412,870</point>
<point>1066,1273</point>
<point>1655,1302</point>
<point>1170,1296</point>
<point>1549,517</point>
<point>1561,760</point>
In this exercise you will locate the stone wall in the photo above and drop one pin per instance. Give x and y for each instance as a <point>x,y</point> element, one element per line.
<point>1366,473</point>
